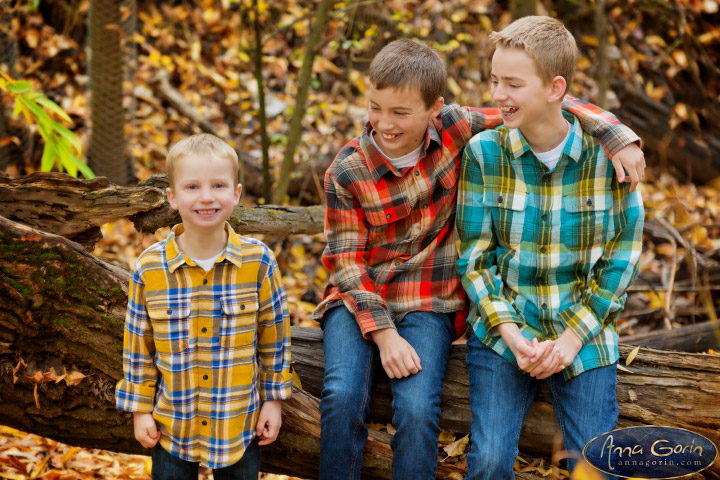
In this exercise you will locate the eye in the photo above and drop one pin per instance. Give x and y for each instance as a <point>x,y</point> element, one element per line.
<point>402,114</point>
<point>219,185</point>
<point>494,82</point>
<point>513,85</point>
<point>374,109</point>
<point>191,187</point>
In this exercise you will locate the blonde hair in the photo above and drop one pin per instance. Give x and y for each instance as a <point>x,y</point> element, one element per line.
<point>200,144</point>
<point>406,63</point>
<point>546,40</point>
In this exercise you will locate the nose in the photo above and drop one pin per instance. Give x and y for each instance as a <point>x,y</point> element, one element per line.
<point>382,122</point>
<point>206,195</point>
<point>498,93</point>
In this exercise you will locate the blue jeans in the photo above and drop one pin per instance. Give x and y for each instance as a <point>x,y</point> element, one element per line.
<point>501,395</point>
<point>166,466</point>
<point>350,362</point>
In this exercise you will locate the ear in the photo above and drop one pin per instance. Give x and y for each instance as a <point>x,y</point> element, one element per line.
<point>237,194</point>
<point>171,198</point>
<point>558,86</point>
<point>437,106</point>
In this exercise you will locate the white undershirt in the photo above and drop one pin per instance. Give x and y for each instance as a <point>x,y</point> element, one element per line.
<point>407,160</point>
<point>552,157</point>
<point>207,264</point>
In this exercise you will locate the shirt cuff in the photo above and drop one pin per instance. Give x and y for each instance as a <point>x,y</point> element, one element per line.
<point>371,320</point>
<point>495,312</point>
<point>275,386</point>
<point>134,397</point>
<point>581,320</point>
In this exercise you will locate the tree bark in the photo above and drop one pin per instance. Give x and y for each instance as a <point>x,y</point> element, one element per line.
<point>62,311</point>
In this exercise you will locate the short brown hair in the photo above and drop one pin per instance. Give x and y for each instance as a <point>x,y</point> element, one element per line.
<point>200,144</point>
<point>407,63</point>
<point>546,40</point>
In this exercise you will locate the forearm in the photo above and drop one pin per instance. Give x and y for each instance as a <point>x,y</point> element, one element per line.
<point>601,124</point>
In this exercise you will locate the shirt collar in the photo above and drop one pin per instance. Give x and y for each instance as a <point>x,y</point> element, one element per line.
<point>573,147</point>
<point>175,258</point>
<point>377,164</point>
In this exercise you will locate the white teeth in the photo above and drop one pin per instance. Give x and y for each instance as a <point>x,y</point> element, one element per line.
<point>389,136</point>
<point>508,110</point>
<point>206,212</point>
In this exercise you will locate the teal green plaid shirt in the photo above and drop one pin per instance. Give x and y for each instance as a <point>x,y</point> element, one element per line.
<point>547,249</point>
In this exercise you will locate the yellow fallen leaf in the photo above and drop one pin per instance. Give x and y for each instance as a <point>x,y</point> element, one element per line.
<point>632,355</point>
<point>446,436</point>
<point>69,454</point>
<point>390,429</point>
<point>623,369</point>
<point>583,471</point>
<point>148,466</point>
<point>632,395</point>
<point>40,467</point>
<point>457,447</point>
<point>74,378</point>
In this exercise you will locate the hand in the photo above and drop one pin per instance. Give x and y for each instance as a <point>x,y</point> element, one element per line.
<point>632,159</point>
<point>269,422</point>
<point>528,354</point>
<point>568,344</point>
<point>397,356</point>
<point>146,431</point>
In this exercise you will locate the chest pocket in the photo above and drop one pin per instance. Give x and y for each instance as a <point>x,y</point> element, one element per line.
<point>585,219</point>
<point>388,215</point>
<point>171,325</point>
<point>508,212</point>
<point>239,320</point>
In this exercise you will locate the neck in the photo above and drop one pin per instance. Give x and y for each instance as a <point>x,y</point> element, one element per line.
<point>546,133</point>
<point>202,245</point>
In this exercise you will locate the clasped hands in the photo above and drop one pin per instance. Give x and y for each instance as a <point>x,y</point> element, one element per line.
<point>541,358</point>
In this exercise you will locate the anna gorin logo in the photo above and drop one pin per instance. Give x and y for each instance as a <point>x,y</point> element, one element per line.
<point>650,452</point>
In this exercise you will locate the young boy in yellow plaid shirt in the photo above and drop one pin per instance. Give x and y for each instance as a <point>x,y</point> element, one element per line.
<point>206,354</point>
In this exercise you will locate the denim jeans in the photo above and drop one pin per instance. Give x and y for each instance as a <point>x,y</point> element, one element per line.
<point>350,362</point>
<point>166,466</point>
<point>501,395</point>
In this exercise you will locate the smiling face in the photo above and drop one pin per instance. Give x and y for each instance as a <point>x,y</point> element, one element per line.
<point>518,90</point>
<point>204,191</point>
<point>400,119</point>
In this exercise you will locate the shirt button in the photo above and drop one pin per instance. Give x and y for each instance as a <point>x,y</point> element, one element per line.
<point>425,206</point>
<point>203,329</point>
<point>205,281</point>
<point>242,307</point>
<point>544,217</point>
<point>169,311</point>
<point>542,249</point>
<point>546,178</point>
<point>204,422</point>
<point>205,377</point>
<point>500,199</point>
<point>589,203</point>
<point>544,306</point>
<point>389,215</point>
<point>417,173</point>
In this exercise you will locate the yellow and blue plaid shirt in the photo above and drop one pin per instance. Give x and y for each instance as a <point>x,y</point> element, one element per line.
<point>547,249</point>
<point>203,349</point>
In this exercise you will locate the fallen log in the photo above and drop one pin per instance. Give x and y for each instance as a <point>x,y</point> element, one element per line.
<point>697,338</point>
<point>61,313</point>
<point>76,208</point>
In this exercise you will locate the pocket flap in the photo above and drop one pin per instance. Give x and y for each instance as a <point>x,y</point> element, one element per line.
<point>239,304</point>
<point>498,197</point>
<point>579,203</point>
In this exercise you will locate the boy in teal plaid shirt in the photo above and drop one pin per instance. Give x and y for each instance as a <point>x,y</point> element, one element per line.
<point>550,241</point>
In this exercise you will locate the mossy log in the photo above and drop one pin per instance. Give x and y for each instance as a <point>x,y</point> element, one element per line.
<point>61,312</point>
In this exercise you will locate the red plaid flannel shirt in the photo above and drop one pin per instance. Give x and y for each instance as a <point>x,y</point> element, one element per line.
<point>390,234</point>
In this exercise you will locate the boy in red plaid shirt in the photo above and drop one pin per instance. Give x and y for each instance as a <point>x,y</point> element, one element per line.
<point>395,298</point>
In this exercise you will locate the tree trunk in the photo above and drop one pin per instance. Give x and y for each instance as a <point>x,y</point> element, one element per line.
<point>62,311</point>
<point>106,154</point>
<point>296,127</point>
